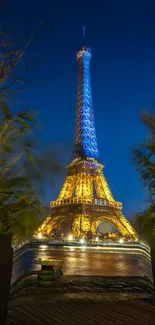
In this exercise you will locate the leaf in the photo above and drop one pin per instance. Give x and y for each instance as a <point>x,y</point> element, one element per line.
<point>6,148</point>
<point>27,116</point>
<point>6,111</point>
<point>24,123</point>
<point>32,159</point>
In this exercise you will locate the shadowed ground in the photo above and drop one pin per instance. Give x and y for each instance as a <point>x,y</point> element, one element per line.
<point>83,300</point>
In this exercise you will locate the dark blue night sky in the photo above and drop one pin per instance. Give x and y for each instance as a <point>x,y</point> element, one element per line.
<point>121,34</point>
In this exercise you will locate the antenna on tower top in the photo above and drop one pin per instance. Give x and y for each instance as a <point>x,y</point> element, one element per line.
<point>84,33</point>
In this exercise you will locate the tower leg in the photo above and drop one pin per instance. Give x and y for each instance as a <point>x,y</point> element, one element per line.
<point>94,228</point>
<point>81,225</point>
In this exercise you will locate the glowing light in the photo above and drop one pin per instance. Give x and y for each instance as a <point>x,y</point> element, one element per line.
<point>70,237</point>
<point>82,241</point>
<point>121,241</point>
<point>43,247</point>
<point>97,239</point>
<point>126,248</point>
<point>40,235</point>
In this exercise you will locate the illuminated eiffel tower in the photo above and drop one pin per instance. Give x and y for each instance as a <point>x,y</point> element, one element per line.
<point>85,198</point>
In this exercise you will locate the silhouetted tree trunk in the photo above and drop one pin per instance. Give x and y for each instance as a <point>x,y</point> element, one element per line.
<point>153,259</point>
<point>6,260</point>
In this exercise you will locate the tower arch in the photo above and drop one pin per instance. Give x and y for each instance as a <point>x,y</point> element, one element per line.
<point>117,221</point>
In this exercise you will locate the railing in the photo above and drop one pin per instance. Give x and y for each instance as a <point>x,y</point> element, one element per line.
<point>99,202</point>
<point>17,247</point>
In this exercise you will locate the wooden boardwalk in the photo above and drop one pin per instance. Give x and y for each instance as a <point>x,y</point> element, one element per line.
<point>81,312</point>
<point>83,300</point>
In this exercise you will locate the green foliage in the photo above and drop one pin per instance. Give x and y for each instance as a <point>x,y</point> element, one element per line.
<point>18,199</point>
<point>22,174</point>
<point>24,169</point>
<point>144,224</point>
<point>144,157</point>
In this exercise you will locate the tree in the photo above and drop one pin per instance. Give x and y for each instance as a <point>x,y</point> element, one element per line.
<point>24,173</point>
<point>144,157</point>
<point>24,169</point>
<point>20,201</point>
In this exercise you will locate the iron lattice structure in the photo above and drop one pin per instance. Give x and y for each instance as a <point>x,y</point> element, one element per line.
<point>85,198</point>
<point>85,144</point>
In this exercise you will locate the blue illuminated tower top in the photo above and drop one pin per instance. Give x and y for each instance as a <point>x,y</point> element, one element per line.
<point>85,143</point>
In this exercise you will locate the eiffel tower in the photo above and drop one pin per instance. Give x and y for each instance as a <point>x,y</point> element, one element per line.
<point>85,199</point>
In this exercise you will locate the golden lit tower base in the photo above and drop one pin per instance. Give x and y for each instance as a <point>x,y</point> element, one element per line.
<point>85,199</point>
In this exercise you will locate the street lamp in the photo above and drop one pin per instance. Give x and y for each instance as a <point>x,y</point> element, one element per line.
<point>40,235</point>
<point>70,237</point>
